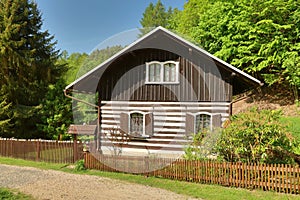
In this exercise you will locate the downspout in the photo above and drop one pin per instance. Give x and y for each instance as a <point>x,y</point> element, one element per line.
<point>98,138</point>
<point>82,101</point>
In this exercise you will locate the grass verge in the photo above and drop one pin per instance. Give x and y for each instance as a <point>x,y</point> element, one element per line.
<point>9,194</point>
<point>197,190</point>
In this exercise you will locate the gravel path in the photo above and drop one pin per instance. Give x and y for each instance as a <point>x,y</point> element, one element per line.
<point>49,184</point>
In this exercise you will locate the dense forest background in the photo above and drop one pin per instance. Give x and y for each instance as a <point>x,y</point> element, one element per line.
<point>261,37</point>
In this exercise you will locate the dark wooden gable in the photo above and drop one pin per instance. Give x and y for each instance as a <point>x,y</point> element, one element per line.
<point>124,80</point>
<point>209,77</point>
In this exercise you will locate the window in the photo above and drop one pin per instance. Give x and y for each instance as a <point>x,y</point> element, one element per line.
<point>196,122</point>
<point>154,72</point>
<point>162,72</point>
<point>202,122</point>
<point>169,72</point>
<point>136,124</point>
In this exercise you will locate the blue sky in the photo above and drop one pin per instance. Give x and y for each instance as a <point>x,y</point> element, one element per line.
<point>79,26</point>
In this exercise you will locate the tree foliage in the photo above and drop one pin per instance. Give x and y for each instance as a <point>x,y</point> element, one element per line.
<point>257,136</point>
<point>85,113</point>
<point>55,112</point>
<point>73,63</point>
<point>27,57</point>
<point>5,117</point>
<point>155,15</point>
<point>96,58</point>
<point>257,36</point>
<point>186,20</point>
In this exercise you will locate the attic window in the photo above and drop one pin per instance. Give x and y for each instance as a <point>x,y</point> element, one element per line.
<point>162,72</point>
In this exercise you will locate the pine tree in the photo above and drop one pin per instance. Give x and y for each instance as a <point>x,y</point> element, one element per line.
<point>154,16</point>
<point>56,113</point>
<point>27,57</point>
<point>5,116</point>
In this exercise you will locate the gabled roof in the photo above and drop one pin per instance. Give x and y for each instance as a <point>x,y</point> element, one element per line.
<point>155,39</point>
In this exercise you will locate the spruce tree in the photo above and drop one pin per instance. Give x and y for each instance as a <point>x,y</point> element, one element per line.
<point>27,57</point>
<point>154,16</point>
<point>5,117</point>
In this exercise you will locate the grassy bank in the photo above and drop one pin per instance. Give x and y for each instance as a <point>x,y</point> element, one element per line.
<point>190,189</point>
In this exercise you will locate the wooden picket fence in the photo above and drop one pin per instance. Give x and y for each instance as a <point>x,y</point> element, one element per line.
<point>272,177</point>
<point>42,150</point>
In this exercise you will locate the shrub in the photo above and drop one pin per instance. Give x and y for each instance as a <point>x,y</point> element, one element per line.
<point>257,136</point>
<point>79,166</point>
<point>202,146</point>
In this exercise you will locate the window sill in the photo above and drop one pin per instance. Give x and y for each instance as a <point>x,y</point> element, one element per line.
<point>162,83</point>
<point>141,137</point>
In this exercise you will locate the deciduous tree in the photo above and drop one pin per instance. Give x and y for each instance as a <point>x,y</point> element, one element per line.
<point>258,36</point>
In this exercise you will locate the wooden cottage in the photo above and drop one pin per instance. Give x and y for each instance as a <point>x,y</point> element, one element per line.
<point>160,89</point>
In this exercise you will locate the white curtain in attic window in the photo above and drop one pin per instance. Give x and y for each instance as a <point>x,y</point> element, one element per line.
<point>154,72</point>
<point>169,72</point>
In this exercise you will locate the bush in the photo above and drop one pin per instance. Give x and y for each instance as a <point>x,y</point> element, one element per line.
<point>202,146</point>
<point>257,136</point>
<point>79,166</point>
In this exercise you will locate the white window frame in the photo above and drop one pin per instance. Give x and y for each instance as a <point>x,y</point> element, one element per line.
<point>162,71</point>
<point>144,122</point>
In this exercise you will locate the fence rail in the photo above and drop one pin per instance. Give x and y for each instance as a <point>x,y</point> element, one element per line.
<point>42,150</point>
<point>273,177</point>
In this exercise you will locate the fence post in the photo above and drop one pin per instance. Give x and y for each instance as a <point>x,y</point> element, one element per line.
<point>75,148</point>
<point>11,154</point>
<point>38,150</point>
<point>85,157</point>
<point>147,164</point>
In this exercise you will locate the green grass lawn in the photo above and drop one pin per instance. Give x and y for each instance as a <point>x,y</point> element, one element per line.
<point>191,189</point>
<point>294,126</point>
<point>9,194</point>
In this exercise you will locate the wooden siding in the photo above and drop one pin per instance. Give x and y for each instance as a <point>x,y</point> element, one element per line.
<point>169,118</point>
<point>200,80</point>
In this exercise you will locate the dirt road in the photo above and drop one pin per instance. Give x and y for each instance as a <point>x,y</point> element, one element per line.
<point>54,185</point>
